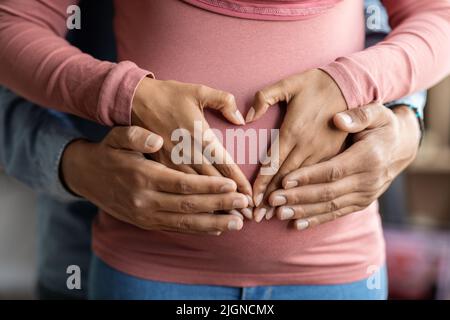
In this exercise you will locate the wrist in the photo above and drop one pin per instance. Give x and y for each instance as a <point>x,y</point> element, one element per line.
<point>329,84</point>
<point>71,165</point>
<point>410,133</point>
<point>142,100</point>
<point>333,85</point>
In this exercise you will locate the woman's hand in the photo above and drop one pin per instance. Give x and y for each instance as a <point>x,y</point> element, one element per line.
<point>306,136</point>
<point>164,106</point>
<point>384,144</point>
<point>115,176</point>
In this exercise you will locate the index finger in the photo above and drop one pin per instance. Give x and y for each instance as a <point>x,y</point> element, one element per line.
<point>329,171</point>
<point>174,181</point>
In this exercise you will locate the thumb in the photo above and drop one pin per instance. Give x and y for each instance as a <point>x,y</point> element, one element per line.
<point>134,138</point>
<point>224,102</point>
<point>366,117</point>
<point>266,98</point>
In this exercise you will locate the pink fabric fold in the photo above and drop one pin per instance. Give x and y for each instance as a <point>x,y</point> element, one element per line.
<point>266,10</point>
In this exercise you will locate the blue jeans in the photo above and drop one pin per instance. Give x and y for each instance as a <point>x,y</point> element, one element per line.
<point>108,283</point>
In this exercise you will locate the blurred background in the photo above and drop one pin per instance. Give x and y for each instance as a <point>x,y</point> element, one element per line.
<point>415,210</point>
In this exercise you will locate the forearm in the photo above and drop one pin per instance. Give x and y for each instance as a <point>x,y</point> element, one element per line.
<point>37,63</point>
<point>32,140</point>
<point>417,49</point>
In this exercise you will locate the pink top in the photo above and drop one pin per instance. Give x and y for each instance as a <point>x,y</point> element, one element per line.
<point>182,41</point>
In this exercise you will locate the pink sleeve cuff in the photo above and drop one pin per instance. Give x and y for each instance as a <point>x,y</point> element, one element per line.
<point>345,82</point>
<point>117,93</point>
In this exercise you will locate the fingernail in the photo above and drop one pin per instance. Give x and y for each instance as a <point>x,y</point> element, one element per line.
<point>346,118</point>
<point>269,214</point>
<point>286,213</point>
<point>250,200</point>
<point>248,213</point>
<point>235,225</point>
<point>237,214</point>
<point>290,184</point>
<point>250,114</point>
<point>229,187</point>
<point>259,214</point>
<point>278,201</point>
<point>215,233</point>
<point>153,141</point>
<point>240,203</point>
<point>239,117</point>
<point>258,199</point>
<point>301,224</point>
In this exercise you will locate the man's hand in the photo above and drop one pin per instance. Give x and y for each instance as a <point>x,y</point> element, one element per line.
<point>384,144</point>
<point>115,176</point>
<point>306,136</point>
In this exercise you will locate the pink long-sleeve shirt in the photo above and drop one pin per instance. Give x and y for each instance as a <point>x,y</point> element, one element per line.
<point>240,47</point>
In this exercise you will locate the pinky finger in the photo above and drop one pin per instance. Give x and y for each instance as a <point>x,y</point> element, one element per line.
<point>302,224</point>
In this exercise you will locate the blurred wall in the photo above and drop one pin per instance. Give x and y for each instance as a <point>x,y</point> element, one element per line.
<point>17,240</point>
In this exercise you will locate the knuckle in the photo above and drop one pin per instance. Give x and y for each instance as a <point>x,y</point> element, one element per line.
<point>187,206</point>
<point>131,134</point>
<point>335,173</point>
<point>284,84</point>
<point>338,214</point>
<point>390,115</point>
<point>361,114</point>
<point>334,215</point>
<point>327,194</point>
<point>303,179</point>
<point>260,96</point>
<point>137,178</point>
<point>183,187</point>
<point>229,98</point>
<point>156,203</point>
<point>332,206</point>
<point>183,223</point>
<point>366,200</point>
<point>376,158</point>
<point>201,90</point>
<point>294,198</point>
<point>136,202</point>
<point>219,204</point>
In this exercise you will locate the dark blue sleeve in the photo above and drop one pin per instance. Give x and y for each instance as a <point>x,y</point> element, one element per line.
<point>32,140</point>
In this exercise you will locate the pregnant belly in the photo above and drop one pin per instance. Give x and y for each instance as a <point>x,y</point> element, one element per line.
<point>188,44</point>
